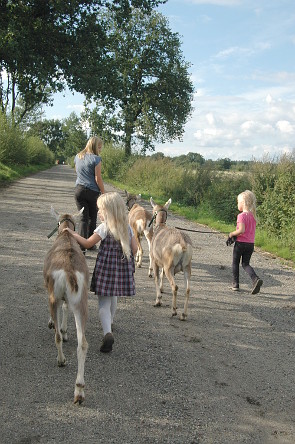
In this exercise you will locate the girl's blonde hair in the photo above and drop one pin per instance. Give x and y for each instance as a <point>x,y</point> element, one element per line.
<point>114,211</point>
<point>249,201</point>
<point>93,146</point>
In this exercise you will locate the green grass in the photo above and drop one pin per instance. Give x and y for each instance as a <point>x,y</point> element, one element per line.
<point>9,173</point>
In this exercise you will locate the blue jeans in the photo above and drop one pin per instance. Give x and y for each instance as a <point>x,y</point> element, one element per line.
<point>242,250</point>
<point>85,197</point>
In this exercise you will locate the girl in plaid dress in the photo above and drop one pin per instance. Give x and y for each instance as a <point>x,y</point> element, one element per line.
<point>113,274</point>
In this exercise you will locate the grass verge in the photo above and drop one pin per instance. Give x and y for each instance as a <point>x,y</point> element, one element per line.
<point>9,173</point>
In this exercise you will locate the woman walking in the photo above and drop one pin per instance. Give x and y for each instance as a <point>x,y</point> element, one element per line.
<point>89,184</point>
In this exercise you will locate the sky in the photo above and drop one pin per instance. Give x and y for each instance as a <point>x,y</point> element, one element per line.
<point>242,56</point>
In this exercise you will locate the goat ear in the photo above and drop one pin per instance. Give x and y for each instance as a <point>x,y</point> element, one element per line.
<point>138,197</point>
<point>79,212</point>
<point>168,203</point>
<point>152,202</point>
<point>54,213</point>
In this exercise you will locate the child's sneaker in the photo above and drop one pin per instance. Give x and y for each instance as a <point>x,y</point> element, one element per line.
<point>235,287</point>
<point>256,286</point>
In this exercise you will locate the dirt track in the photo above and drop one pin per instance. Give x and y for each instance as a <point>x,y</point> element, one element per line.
<point>225,376</point>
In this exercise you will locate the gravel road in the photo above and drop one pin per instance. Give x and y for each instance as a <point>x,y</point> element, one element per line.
<point>225,376</point>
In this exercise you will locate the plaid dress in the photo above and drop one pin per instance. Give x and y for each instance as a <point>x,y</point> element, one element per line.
<point>113,274</point>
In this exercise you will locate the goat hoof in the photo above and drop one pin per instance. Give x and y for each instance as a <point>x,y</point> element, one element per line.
<point>50,324</point>
<point>78,399</point>
<point>61,363</point>
<point>174,313</point>
<point>183,317</point>
<point>158,304</point>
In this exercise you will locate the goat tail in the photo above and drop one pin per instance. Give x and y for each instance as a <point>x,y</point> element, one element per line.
<point>73,282</point>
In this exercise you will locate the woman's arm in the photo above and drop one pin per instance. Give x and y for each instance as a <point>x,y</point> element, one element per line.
<point>85,243</point>
<point>98,178</point>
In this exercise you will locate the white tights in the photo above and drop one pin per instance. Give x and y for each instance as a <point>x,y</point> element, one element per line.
<point>106,309</point>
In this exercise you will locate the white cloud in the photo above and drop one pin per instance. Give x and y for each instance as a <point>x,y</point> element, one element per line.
<point>76,107</point>
<point>241,127</point>
<point>210,118</point>
<point>285,127</point>
<point>240,51</point>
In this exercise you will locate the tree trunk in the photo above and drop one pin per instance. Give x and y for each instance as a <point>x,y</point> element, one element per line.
<point>127,141</point>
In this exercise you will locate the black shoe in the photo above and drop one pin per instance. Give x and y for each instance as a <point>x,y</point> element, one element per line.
<point>256,286</point>
<point>107,343</point>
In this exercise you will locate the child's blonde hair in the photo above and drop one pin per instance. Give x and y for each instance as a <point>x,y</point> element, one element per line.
<point>249,201</point>
<point>93,146</point>
<point>114,212</point>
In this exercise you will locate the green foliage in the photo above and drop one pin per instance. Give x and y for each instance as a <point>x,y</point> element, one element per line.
<point>156,177</point>
<point>13,148</point>
<point>221,197</point>
<point>9,173</point>
<point>159,177</point>
<point>64,138</point>
<point>50,132</point>
<point>74,137</point>
<point>113,161</point>
<point>38,153</point>
<point>46,44</point>
<point>264,176</point>
<point>278,206</point>
<point>17,148</point>
<point>223,164</point>
<point>190,160</point>
<point>151,90</point>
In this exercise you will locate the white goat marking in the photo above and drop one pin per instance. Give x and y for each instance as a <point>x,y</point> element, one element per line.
<point>172,251</point>
<point>66,278</point>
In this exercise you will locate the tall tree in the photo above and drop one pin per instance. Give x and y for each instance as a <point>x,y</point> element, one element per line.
<point>50,132</point>
<point>151,92</point>
<point>45,44</point>
<point>75,136</point>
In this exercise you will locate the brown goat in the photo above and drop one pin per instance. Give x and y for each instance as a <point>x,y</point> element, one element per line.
<point>139,220</point>
<point>171,250</point>
<point>66,278</point>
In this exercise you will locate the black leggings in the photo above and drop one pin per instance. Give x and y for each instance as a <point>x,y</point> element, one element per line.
<point>242,250</point>
<point>86,198</point>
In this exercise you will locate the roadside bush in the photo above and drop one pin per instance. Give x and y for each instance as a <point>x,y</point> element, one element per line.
<point>113,159</point>
<point>13,148</point>
<point>191,185</point>
<point>38,153</point>
<point>221,197</point>
<point>263,177</point>
<point>159,177</point>
<point>278,207</point>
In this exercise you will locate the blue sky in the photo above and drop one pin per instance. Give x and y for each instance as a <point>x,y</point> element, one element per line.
<point>242,54</point>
